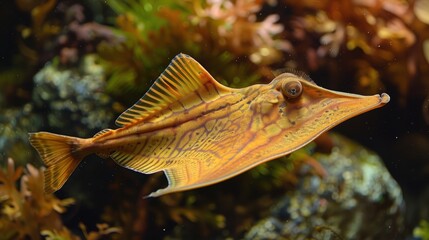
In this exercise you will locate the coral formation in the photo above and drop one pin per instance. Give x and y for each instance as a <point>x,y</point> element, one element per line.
<point>73,98</point>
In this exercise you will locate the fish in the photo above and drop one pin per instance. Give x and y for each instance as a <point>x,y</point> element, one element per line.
<point>200,132</point>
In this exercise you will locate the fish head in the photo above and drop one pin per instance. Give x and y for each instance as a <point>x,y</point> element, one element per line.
<point>311,109</point>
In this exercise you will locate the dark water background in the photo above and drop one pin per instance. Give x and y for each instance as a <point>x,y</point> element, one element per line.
<point>72,67</point>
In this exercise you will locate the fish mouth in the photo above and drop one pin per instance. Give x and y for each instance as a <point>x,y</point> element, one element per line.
<point>384,98</point>
<point>369,103</point>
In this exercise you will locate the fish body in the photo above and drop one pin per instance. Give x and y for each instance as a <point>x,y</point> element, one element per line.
<point>200,132</point>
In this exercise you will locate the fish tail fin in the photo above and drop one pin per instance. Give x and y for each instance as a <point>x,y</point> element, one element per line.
<point>60,155</point>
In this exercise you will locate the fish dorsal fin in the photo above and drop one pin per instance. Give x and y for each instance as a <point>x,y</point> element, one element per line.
<point>102,132</point>
<point>183,76</point>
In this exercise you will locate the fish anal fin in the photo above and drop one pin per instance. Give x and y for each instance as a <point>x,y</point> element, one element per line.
<point>177,177</point>
<point>183,77</point>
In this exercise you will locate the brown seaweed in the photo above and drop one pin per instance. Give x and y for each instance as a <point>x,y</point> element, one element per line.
<point>26,212</point>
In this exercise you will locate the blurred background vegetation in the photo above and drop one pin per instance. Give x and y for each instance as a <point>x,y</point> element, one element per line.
<point>359,46</point>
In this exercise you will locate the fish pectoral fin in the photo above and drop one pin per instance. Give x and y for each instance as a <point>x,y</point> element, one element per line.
<point>180,79</point>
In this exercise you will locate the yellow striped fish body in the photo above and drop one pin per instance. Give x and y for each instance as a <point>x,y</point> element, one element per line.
<point>200,132</point>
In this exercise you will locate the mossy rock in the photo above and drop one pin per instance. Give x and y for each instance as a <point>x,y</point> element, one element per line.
<point>356,199</point>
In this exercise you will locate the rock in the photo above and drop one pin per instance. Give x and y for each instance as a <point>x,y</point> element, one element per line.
<point>357,199</point>
<point>15,124</point>
<point>73,99</point>
<point>68,101</point>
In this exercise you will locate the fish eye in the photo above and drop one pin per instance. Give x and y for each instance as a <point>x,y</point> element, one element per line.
<point>292,89</point>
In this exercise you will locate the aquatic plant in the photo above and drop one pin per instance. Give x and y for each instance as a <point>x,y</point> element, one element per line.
<point>384,41</point>
<point>235,26</point>
<point>39,30</point>
<point>27,212</point>
<point>422,231</point>
<point>66,32</point>
<point>216,33</point>
<point>364,45</point>
<point>31,30</point>
<point>103,232</point>
<point>55,29</point>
